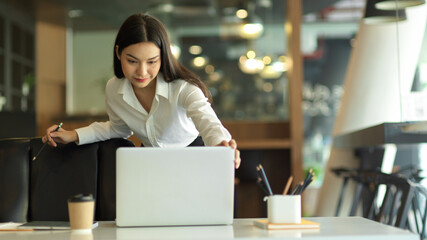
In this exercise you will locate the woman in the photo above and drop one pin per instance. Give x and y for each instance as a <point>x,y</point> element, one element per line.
<point>152,96</point>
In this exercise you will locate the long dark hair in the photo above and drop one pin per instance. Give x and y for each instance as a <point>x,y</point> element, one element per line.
<point>145,28</point>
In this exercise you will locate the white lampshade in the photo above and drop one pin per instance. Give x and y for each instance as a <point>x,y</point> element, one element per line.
<point>374,15</point>
<point>397,4</point>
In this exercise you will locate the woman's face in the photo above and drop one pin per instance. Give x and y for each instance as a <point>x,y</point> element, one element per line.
<point>140,63</point>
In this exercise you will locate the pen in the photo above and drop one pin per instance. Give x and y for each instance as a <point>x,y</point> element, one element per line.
<point>306,184</point>
<point>308,175</point>
<point>303,184</point>
<point>264,178</point>
<point>262,185</point>
<point>297,188</point>
<point>44,145</point>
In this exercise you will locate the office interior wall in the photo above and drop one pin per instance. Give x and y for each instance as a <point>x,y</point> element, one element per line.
<point>381,70</point>
<point>50,73</point>
<point>92,66</point>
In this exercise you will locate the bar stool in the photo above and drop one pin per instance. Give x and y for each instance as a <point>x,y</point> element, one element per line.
<point>403,205</point>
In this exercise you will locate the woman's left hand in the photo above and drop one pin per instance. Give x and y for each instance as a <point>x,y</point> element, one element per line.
<point>232,143</point>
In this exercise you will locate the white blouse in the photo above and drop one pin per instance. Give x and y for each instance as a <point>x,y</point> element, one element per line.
<point>180,112</point>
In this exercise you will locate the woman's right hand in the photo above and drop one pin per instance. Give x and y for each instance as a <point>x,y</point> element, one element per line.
<point>60,136</point>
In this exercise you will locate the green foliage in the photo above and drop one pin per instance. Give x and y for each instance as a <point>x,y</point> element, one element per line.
<point>30,79</point>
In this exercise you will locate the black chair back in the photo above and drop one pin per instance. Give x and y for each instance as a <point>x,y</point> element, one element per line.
<point>393,199</point>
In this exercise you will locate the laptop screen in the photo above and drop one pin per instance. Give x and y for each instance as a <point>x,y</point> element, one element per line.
<point>175,186</point>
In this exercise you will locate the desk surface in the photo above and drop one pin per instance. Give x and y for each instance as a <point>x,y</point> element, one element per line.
<point>330,228</point>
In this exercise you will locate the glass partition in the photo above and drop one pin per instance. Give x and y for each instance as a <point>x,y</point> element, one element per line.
<point>240,55</point>
<point>328,37</point>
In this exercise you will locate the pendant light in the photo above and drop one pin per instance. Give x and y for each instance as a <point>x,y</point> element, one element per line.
<point>374,15</point>
<point>397,4</point>
<point>252,26</point>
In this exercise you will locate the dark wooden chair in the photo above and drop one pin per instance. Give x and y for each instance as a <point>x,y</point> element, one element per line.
<point>346,174</point>
<point>363,193</point>
<point>395,205</point>
<point>419,204</point>
<point>396,199</point>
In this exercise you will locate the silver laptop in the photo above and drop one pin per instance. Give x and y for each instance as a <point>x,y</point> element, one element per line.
<point>174,186</point>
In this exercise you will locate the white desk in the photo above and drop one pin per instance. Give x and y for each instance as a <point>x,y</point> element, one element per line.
<point>331,228</point>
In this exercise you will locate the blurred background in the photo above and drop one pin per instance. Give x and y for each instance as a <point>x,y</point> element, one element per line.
<point>276,70</point>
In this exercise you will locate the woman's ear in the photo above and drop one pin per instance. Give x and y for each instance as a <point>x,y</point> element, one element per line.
<point>117,52</point>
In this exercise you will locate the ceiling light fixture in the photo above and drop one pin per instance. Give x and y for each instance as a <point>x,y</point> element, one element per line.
<point>209,69</point>
<point>397,4</point>
<point>195,49</point>
<point>250,65</point>
<point>200,62</point>
<point>242,13</point>
<point>251,30</point>
<point>282,64</point>
<point>252,27</point>
<point>374,15</point>
<point>274,69</point>
<point>270,73</point>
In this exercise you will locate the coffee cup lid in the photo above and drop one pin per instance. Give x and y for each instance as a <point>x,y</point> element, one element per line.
<point>81,198</point>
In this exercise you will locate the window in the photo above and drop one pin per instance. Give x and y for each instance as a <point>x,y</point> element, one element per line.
<point>17,91</point>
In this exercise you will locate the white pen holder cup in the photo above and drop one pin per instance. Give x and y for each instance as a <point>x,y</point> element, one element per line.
<point>284,208</point>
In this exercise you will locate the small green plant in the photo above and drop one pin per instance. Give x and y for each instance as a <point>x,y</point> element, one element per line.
<point>30,79</point>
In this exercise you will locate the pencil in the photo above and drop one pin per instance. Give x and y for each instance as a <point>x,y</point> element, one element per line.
<point>288,185</point>
<point>44,144</point>
<point>15,230</point>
